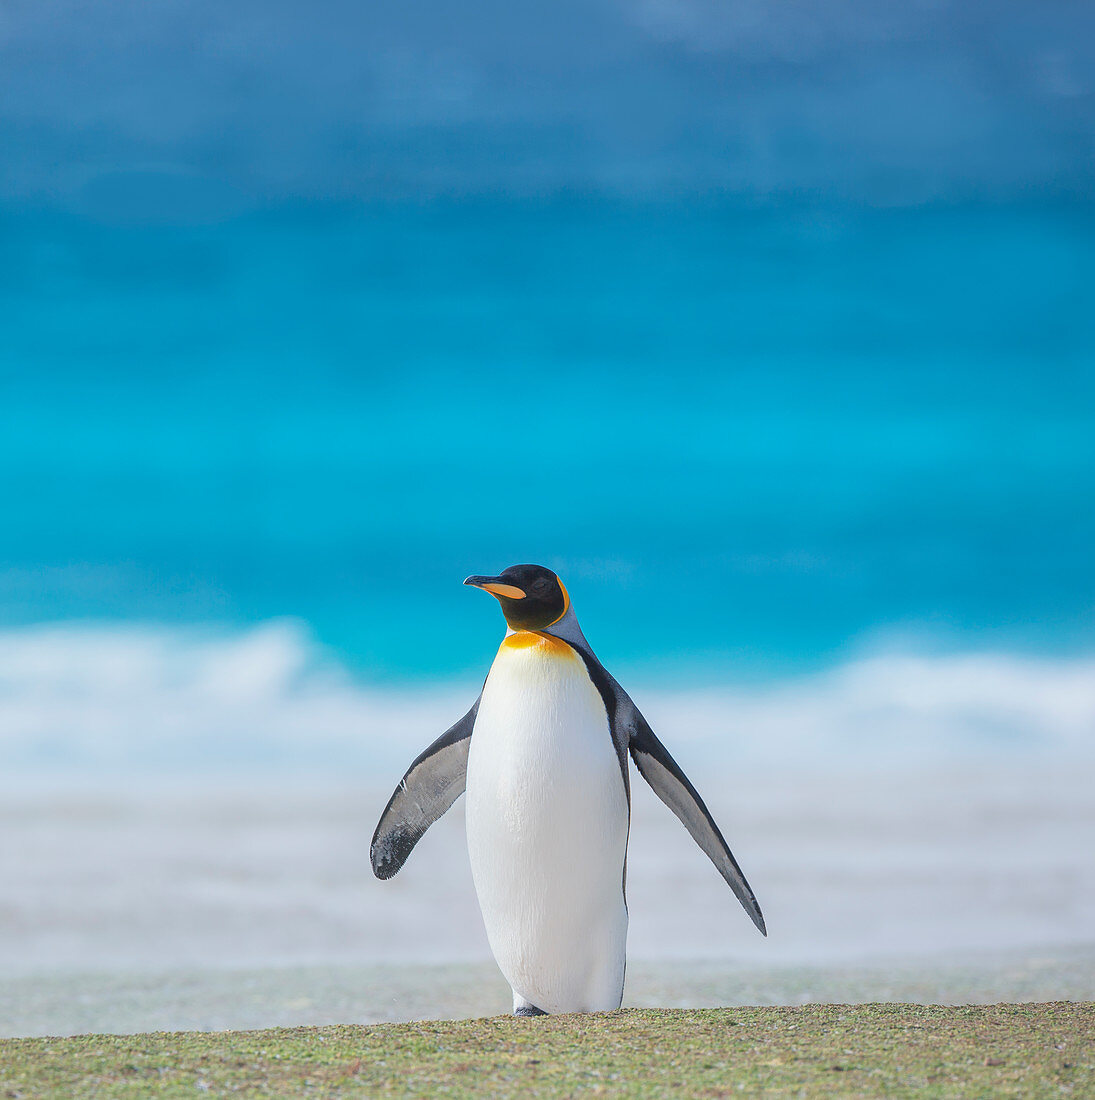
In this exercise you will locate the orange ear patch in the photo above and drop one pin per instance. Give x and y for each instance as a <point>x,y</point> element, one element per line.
<point>510,590</point>
<point>566,601</point>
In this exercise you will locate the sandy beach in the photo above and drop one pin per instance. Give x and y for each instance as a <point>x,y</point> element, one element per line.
<point>126,1003</point>
<point>168,906</point>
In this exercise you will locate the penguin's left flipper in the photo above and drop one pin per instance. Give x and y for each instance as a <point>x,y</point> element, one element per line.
<point>671,785</point>
<point>434,781</point>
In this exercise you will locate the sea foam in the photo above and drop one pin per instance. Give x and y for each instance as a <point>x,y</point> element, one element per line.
<point>86,697</point>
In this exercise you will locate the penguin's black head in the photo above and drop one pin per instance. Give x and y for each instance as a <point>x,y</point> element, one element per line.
<point>531,596</point>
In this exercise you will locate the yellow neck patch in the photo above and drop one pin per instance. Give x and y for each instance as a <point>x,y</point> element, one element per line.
<point>529,639</point>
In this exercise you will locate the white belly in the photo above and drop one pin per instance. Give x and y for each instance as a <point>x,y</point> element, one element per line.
<point>547,821</point>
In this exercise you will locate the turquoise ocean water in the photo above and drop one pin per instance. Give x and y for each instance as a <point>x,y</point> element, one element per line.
<point>751,439</point>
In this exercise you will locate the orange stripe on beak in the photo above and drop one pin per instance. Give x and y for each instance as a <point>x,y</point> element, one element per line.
<point>510,590</point>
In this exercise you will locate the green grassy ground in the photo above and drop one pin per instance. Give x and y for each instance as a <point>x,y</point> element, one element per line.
<point>893,1050</point>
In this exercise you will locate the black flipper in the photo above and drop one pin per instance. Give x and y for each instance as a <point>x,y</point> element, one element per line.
<point>432,784</point>
<point>632,733</point>
<point>671,785</point>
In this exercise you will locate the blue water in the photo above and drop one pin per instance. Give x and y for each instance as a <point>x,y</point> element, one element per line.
<point>751,440</point>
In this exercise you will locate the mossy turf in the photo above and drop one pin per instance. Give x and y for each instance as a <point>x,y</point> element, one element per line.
<point>891,1050</point>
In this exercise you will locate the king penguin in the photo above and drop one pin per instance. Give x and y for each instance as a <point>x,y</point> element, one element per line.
<point>543,756</point>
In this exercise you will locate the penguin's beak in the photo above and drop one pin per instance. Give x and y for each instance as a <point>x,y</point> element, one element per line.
<point>496,587</point>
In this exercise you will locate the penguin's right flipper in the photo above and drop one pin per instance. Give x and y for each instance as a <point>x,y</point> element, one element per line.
<point>432,784</point>
<point>672,786</point>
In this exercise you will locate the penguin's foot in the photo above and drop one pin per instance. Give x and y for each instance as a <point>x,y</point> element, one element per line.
<point>528,1010</point>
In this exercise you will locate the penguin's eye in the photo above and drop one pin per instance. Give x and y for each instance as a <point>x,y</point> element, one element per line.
<point>540,585</point>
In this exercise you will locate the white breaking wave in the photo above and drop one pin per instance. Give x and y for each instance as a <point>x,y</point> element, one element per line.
<point>93,697</point>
